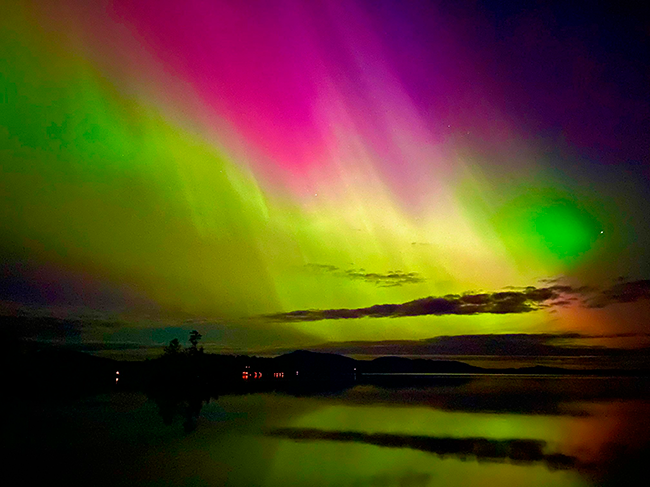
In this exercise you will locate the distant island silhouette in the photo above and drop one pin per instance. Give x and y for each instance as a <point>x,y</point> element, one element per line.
<point>182,380</point>
<point>38,367</point>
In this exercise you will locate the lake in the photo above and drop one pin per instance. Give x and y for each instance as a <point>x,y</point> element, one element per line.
<point>502,431</point>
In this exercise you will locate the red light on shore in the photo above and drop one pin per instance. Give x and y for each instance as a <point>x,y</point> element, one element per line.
<point>251,375</point>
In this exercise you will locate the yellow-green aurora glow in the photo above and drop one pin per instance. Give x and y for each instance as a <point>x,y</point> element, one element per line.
<point>218,163</point>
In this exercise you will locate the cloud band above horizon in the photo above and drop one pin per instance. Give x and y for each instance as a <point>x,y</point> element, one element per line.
<point>503,302</point>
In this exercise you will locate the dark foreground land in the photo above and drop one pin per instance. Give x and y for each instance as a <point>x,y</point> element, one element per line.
<point>181,383</point>
<point>59,370</point>
<point>320,419</point>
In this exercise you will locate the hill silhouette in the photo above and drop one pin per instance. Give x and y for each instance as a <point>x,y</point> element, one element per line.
<point>50,368</point>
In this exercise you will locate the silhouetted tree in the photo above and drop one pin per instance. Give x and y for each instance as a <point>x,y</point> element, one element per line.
<point>178,382</point>
<point>195,336</point>
<point>174,348</point>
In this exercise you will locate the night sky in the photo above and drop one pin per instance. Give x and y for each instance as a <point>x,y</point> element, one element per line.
<point>285,173</point>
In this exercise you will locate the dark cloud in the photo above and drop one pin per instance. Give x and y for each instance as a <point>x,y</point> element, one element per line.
<point>515,450</point>
<point>523,301</point>
<point>512,301</point>
<point>70,333</point>
<point>621,292</point>
<point>550,280</point>
<point>389,279</point>
<point>322,267</point>
<point>617,335</point>
<point>40,328</point>
<point>106,346</point>
<point>26,284</point>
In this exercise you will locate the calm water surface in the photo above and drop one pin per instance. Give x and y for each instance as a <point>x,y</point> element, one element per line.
<point>485,431</point>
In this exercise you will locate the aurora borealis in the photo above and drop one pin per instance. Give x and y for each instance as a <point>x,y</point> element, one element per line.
<point>221,162</point>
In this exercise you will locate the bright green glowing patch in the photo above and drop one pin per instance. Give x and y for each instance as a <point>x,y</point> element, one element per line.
<point>566,230</point>
<point>547,231</point>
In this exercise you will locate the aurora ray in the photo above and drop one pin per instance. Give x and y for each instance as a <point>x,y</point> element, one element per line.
<point>171,161</point>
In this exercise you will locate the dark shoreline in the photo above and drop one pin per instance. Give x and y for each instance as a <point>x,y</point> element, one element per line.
<point>36,369</point>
